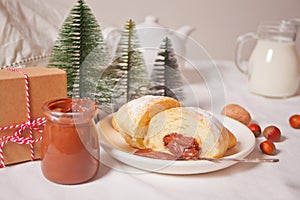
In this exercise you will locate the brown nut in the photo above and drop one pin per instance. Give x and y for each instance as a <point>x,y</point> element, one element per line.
<point>255,128</point>
<point>237,112</point>
<point>295,121</point>
<point>268,147</point>
<point>272,133</point>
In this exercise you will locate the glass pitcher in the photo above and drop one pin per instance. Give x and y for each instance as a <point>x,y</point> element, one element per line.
<point>273,69</point>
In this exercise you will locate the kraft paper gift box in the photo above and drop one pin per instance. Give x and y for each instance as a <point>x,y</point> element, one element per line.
<point>44,84</point>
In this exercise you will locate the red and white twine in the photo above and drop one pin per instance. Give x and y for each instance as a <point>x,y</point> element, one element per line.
<point>30,124</point>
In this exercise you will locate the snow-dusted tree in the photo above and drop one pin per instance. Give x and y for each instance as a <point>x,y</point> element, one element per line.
<point>166,77</point>
<point>133,78</point>
<point>82,53</point>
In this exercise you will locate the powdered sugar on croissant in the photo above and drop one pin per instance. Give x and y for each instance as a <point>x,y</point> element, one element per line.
<point>212,137</point>
<point>133,118</point>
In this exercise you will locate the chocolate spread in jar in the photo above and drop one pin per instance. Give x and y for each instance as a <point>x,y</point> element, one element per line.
<point>180,147</point>
<point>70,148</point>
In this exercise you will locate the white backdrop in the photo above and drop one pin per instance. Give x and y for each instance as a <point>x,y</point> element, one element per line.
<point>30,27</point>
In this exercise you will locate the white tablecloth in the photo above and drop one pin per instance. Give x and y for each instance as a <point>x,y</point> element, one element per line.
<point>240,181</point>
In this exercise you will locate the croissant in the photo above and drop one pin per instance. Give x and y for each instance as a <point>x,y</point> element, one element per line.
<point>146,122</point>
<point>213,138</point>
<point>133,118</point>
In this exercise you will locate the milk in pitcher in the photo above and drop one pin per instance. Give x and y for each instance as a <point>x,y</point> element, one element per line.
<point>274,69</point>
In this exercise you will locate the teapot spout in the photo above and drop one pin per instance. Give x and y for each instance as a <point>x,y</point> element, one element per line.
<point>184,31</point>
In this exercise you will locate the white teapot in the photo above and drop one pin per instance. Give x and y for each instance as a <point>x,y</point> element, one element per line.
<point>151,35</point>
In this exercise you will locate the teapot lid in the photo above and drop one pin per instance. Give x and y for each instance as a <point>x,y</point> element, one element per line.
<point>150,22</point>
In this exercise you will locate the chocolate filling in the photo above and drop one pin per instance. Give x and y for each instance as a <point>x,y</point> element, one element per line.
<point>180,147</point>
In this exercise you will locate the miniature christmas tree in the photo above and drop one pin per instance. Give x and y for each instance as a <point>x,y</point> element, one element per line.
<point>81,52</point>
<point>166,77</point>
<point>108,85</point>
<point>133,78</point>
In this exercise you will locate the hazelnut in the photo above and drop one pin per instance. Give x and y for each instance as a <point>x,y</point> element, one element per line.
<point>272,133</point>
<point>295,121</point>
<point>255,128</point>
<point>268,147</point>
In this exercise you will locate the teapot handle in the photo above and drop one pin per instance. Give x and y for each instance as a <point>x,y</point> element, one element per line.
<point>240,64</point>
<point>112,36</point>
<point>109,31</point>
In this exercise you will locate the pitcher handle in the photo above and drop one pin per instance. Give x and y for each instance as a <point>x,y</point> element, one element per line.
<point>238,51</point>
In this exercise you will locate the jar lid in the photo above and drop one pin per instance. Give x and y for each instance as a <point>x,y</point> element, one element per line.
<point>70,110</point>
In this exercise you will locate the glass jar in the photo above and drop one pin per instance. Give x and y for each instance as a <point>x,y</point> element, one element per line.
<point>70,146</point>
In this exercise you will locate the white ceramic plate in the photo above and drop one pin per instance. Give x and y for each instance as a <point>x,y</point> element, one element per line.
<point>114,145</point>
